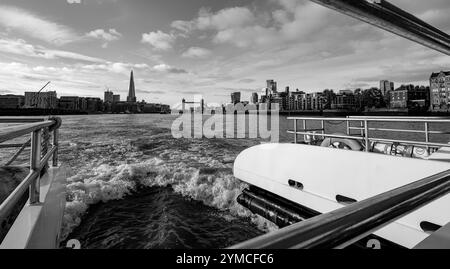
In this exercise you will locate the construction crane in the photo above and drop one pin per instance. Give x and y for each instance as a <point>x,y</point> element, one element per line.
<point>39,92</point>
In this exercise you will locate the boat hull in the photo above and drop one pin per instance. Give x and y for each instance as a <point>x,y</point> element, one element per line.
<point>325,179</point>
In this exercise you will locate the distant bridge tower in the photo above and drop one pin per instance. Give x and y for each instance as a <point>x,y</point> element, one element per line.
<point>202,104</point>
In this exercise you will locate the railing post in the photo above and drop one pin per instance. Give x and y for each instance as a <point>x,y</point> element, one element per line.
<point>305,138</point>
<point>361,130</point>
<point>295,131</point>
<point>366,135</point>
<point>35,160</point>
<point>427,134</point>
<point>45,146</point>
<point>348,126</point>
<point>55,144</point>
<point>323,127</point>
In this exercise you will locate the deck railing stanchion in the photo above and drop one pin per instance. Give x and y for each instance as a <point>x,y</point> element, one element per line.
<point>323,127</point>
<point>35,160</point>
<point>304,128</point>
<point>45,146</point>
<point>366,135</point>
<point>427,133</point>
<point>361,130</point>
<point>348,127</point>
<point>55,144</point>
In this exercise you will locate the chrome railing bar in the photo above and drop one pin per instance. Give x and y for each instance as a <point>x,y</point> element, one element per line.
<point>411,17</point>
<point>373,119</point>
<point>413,143</point>
<point>35,163</point>
<point>396,117</point>
<point>310,130</point>
<point>12,132</point>
<point>11,201</point>
<point>345,226</point>
<point>295,130</point>
<point>431,144</point>
<point>366,136</point>
<point>304,127</point>
<point>382,14</point>
<point>7,146</point>
<point>56,146</point>
<point>328,135</point>
<point>404,131</point>
<point>322,124</point>
<point>18,152</point>
<point>47,157</point>
<point>400,130</point>
<point>20,120</point>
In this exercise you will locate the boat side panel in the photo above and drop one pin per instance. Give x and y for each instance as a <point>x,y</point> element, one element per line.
<point>38,226</point>
<point>326,173</point>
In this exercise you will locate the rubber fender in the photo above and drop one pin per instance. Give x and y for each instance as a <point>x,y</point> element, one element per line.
<point>58,123</point>
<point>351,143</point>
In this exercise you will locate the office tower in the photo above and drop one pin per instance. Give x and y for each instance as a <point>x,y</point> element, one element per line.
<point>131,92</point>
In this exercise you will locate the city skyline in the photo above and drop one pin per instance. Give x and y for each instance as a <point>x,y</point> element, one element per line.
<point>212,48</point>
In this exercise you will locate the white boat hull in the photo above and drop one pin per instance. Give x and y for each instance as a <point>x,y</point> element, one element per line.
<point>326,173</point>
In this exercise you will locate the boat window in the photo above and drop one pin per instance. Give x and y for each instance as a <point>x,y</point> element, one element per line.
<point>295,184</point>
<point>345,200</point>
<point>429,227</point>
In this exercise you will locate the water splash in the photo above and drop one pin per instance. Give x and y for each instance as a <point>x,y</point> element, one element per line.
<point>116,164</point>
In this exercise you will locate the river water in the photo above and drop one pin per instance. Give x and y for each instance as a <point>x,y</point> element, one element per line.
<point>131,184</point>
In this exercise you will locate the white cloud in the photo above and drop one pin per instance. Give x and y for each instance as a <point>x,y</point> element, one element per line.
<point>196,52</point>
<point>159,40</point>
<point>168,69</point>
<point>74,1</point>
<point>21,47</point>
<point>115,67</point>
<point>293,20</point>
<point>34,26</point>
<point>184,26</point>
<point>225,18</point>
<point>106,36</point>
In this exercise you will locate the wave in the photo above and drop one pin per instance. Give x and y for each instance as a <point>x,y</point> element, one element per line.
<point>213,185</point>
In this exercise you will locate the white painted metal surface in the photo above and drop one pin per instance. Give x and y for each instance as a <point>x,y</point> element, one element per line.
<point>326,173</point>
<point>38,226</point>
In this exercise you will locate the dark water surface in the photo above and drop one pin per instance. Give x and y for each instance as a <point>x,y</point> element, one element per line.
<point>132,185</point>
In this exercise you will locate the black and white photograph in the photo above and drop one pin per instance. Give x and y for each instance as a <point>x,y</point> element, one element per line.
<point>241,128</point>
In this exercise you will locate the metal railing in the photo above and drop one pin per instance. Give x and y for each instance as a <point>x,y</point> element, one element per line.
<point>345,226</point>
<point>365,129</point>
<point>40,153</point>
<point>386,16</point>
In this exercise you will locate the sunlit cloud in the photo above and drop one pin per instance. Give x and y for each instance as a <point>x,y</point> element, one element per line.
<point>40,28</point>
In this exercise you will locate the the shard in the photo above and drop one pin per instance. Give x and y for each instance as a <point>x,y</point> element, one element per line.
<point>131,92</point>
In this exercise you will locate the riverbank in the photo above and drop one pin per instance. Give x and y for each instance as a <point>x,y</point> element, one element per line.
<point>46,112</point>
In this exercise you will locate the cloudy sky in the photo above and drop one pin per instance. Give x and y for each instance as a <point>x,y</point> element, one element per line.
<point>179,48</point>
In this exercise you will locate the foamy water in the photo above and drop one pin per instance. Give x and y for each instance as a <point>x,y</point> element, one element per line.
<point>116,158</point>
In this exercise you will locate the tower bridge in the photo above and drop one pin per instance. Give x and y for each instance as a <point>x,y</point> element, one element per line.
<point>201,102</point>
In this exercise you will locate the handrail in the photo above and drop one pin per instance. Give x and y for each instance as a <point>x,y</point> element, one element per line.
<point>20,119</point>
<point>389,119</point>
<point>397,117</point>
<point>18,152</point>
<point>365,129</point>
<point>345,226</point>
<point>12,132</point>
<point>38,163</point>
<point>386,16</point>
